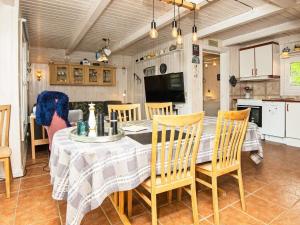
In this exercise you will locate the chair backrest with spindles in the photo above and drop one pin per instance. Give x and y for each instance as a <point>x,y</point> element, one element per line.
<point>230,134</point>
<point>159,108</point>
<point>4,124</point>
<point>177,150</point>
<point>126,112</point>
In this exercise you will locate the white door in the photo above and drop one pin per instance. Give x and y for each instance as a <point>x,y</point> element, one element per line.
<point>292,120</point>
<point>264,60</point>
<point>247,63</point>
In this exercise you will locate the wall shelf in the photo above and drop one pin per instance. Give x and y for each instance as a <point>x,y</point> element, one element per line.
<point>161,55</point>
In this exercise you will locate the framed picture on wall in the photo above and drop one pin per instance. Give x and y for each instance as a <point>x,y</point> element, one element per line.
<point>196,50</point>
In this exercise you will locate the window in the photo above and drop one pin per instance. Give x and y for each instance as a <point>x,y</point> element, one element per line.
<point>295,73</point>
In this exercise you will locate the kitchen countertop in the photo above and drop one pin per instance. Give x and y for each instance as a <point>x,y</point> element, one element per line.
<point>281,100</point>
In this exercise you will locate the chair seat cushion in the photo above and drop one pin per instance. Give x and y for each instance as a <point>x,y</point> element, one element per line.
<point>5,152</point>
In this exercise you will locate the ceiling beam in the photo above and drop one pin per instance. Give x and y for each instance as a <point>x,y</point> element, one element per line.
<point>263,33</point>
<point>85,26</point>
<point>255,14</point>
<point>185,4</point>
<point>284,3</point>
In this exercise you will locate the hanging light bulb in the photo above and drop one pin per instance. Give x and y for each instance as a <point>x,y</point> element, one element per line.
<point>153,32</point>
<point>179,39</point>
<point>194,30</point>
<point>174,25</point>
<point>214,63</point>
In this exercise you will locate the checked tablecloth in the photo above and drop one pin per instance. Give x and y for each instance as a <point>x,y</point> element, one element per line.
<point>84,174</point>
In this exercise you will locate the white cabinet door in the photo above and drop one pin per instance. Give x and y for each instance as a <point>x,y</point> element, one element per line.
<point>246,62</point>
<point>292,120</point>
<point>264,60</point>
<point>273,118</point>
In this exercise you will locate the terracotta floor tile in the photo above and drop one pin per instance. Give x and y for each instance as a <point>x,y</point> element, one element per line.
<point>261,209</point>
<point>277,194</point>
<point>35,182</point>
<point>110,211</point>
<point>233,216</point>
<point>37,202</point>
<point>95,217</point>
<point>251,184</point>
<point>55,221</point>
<point>36,171</point>
<point>175,213</point>
<point>14,186</point>
<point>7,208</point>
<point>289,217</point>
<point>142,219</point>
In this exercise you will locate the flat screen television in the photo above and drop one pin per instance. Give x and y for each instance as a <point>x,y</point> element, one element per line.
<point>165,88</point>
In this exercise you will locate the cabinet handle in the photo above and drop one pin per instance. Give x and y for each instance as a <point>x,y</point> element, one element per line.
<point>252,71</point>
<point>287,107</point>
<point>255,71</point>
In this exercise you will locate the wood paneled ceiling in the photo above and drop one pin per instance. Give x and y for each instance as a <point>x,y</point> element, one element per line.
<point>54,23</point>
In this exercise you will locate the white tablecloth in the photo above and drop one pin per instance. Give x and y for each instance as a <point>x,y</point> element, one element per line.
<point>85,174</point>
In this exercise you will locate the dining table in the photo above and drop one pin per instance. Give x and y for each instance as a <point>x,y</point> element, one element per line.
<point>85,174</point>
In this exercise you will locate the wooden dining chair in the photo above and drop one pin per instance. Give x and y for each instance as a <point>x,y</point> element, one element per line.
<point>230,134</point>
<point>126,112</point>
<point>175,147</point>
<point>5,151</point>
<point>158,108</point>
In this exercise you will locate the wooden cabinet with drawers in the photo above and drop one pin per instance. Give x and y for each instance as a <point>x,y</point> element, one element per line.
<point>72,74</point>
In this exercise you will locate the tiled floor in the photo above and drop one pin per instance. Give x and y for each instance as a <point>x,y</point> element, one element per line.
<point>272,197</point>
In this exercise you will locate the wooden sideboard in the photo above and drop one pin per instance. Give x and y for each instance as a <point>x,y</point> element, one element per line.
<point>74,74</point>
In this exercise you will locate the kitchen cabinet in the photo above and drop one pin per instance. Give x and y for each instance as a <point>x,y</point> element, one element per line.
<point>75,74</point>
<point>260,61</point>
<point>93,75</point>
<point>247,62</point>
<point>292,120</point>
<point>273,122</point>
<point>108,76</point>
<point>59,74</point>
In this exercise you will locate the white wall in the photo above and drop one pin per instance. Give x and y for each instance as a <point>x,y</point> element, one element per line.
<point>177,61</point>
<point>78,93</point>
<point>9,77</point>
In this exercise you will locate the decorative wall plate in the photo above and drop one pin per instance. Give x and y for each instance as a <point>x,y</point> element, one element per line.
<point>163,68</point>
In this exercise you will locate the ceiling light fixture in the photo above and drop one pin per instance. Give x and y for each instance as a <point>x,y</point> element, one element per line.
<point>174,24</point>
<point>102,54</point>
<point>194,30</point>
<point>179,40</point>
<point>153,32</point>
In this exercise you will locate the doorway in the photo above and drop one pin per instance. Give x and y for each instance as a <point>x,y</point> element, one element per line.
<point>211,83</point>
